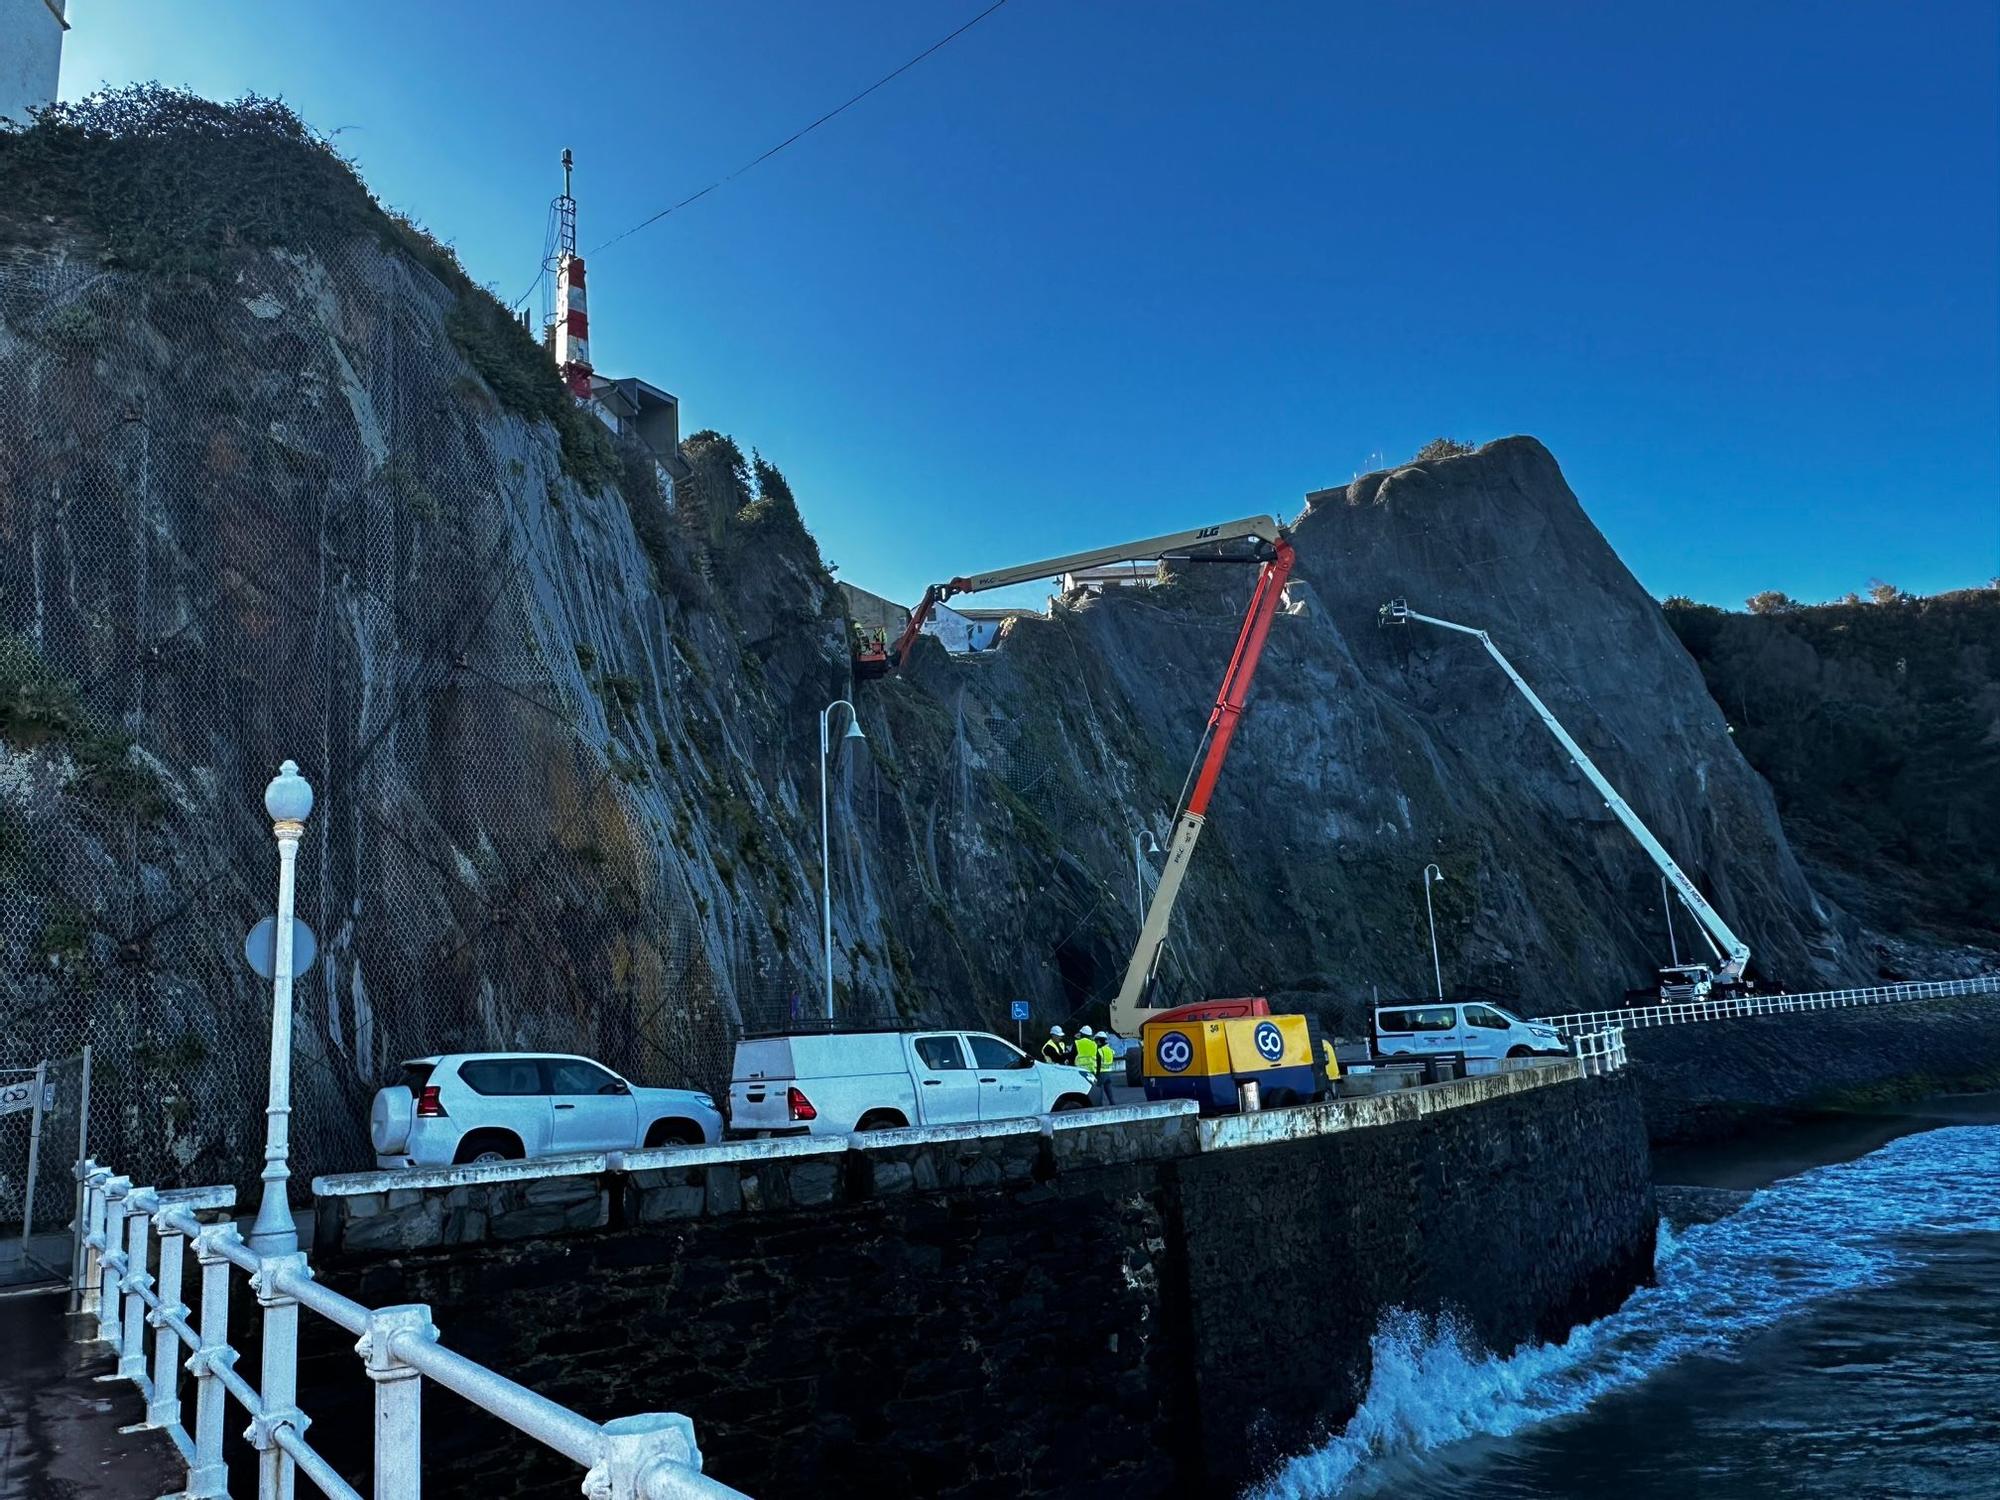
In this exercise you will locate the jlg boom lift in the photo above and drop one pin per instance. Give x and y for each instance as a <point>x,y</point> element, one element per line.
<point>1680,981</point>
<point>1198,1051</point>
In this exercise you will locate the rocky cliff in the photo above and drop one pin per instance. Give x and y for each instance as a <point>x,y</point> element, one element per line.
<point>276,480</point>
<point>1878,727</point>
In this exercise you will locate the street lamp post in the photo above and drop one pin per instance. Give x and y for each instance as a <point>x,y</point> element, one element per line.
<point>825,849</point>
<point>1431,873</point>
<point>289,801</point>
<point>1141,836</point>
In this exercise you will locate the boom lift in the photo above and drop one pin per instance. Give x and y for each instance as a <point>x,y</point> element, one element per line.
<point>1203,1050</point>
<point>1200,544</point>
<point>1681,981</point>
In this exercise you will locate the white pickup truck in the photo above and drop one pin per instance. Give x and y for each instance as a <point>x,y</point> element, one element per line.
<point>835,1082</point>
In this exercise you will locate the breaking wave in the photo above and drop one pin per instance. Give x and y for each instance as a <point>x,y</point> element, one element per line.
<point>1831,1230</point>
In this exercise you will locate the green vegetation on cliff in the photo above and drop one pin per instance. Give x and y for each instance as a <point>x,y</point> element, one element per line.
<point>1878,726</point>
<point>171,185</point>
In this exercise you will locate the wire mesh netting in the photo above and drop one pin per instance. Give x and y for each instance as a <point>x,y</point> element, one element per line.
<point>282,520</point>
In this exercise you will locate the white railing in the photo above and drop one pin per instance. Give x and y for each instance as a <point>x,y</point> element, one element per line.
<point>1684,1011</point>
<point>132,1245</point>
<point>1600,1051</point>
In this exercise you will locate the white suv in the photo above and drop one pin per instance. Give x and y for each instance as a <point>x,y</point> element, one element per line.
<point>502,1106</point>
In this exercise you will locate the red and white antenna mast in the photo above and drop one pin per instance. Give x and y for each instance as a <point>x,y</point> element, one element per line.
<point>572,316</point>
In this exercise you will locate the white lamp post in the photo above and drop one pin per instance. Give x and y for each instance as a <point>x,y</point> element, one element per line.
<point>1142,836</point>
<point>1432,872</point>
<point>289,801</point>
<point>825,852</point>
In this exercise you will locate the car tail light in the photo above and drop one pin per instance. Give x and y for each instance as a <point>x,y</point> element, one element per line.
<point>799,1106</point>
<point>429,1106</point>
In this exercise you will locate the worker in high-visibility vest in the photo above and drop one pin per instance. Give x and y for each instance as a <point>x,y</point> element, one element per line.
<point>1107,1064</point>
<point>1057,1048</point>
<point>1086,1052</point>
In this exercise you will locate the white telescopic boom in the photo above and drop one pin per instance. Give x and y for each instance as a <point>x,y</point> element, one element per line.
<point>1730,949</point>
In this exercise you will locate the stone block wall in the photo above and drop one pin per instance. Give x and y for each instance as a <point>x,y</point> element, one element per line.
<point>1104,1308</point>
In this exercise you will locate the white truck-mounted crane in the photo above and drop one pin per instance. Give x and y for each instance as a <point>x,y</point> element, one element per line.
<point>1680,981</point>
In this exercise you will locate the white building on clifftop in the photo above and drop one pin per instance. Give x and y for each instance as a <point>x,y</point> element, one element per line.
<point>31,38</point>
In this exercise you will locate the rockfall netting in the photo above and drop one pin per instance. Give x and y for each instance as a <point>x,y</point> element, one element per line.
<point>263,503</point>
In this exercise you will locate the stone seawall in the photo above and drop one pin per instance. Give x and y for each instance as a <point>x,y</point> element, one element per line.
<point>1712,1079</point>
<point>1108,1306</point>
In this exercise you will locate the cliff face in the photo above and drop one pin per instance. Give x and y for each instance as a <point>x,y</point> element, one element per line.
<point>307,499</point>
<point>1878,727</point>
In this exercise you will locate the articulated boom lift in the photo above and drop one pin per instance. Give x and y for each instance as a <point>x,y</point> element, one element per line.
<point>1201,544</point>
<point>1684,981</point>
<point>1128,1009</point>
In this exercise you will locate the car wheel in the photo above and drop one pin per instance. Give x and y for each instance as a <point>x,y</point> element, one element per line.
<point>1069,1102</point>
<point>483,1146</point>
<point>674,1133</point>
<point>882,1119</point>
<point>1520,1052</point>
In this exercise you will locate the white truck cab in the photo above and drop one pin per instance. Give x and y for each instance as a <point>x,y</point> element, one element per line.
<point>832,1083</point>
<point>1469,1028</point>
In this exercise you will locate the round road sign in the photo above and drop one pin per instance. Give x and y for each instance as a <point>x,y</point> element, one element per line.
<point>261,944</point>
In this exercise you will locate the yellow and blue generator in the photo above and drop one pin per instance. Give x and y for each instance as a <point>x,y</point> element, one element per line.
<point>1204,1060</point>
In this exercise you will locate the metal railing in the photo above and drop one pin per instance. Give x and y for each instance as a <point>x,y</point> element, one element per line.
<point>131,1253</point>
<point>1681,1012</point>
<point>1601,1051</point>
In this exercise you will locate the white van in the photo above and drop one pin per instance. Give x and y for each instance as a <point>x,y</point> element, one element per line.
<point>1471,1028</point>
<point>835,1082</point>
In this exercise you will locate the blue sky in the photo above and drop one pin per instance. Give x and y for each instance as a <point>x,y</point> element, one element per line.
<point>1098,270</point>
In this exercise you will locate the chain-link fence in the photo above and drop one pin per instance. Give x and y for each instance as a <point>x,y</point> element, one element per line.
<point>44,1112</point>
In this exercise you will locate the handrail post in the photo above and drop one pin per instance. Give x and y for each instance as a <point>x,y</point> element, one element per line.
<point>111,1262</point>
<point>208,1478</point>
<point>399,1398</point>
<point>140,1206</point>
<point>164,1410</point>
<point>90,1273</point>
<point>636,1450</point>
<point>278,1381</point>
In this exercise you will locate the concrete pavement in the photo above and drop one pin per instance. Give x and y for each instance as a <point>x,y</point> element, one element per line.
<point>60,1435</point>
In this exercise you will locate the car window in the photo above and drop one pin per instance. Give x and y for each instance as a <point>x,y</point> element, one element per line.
<point>991,1052</point>
<point>941,1054</point>
<point>572,1075</point>
<point>1485,1016</point>
<point>512,1076</point>
<point>1430,1018</point>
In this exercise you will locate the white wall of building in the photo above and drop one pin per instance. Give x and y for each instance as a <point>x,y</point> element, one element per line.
<point>31,33</point>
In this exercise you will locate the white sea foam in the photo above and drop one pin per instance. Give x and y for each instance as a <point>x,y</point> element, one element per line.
<point>1803,1239</point>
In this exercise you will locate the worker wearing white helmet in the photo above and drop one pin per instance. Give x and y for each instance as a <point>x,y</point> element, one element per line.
<point>1086,1052</point>
<point>1056,1049</point>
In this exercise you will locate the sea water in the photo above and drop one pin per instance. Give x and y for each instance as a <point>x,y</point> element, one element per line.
<point>1837,1334</point>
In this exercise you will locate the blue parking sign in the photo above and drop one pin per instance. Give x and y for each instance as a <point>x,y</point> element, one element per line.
<point>1020,1010</point>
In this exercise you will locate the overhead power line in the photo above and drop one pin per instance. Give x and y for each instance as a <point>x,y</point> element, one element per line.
<point>803,131</point>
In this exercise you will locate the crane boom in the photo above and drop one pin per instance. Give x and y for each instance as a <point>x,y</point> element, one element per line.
<point>1732,952</point>
<point>1127,1009</point>
<point>1262,529</point>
